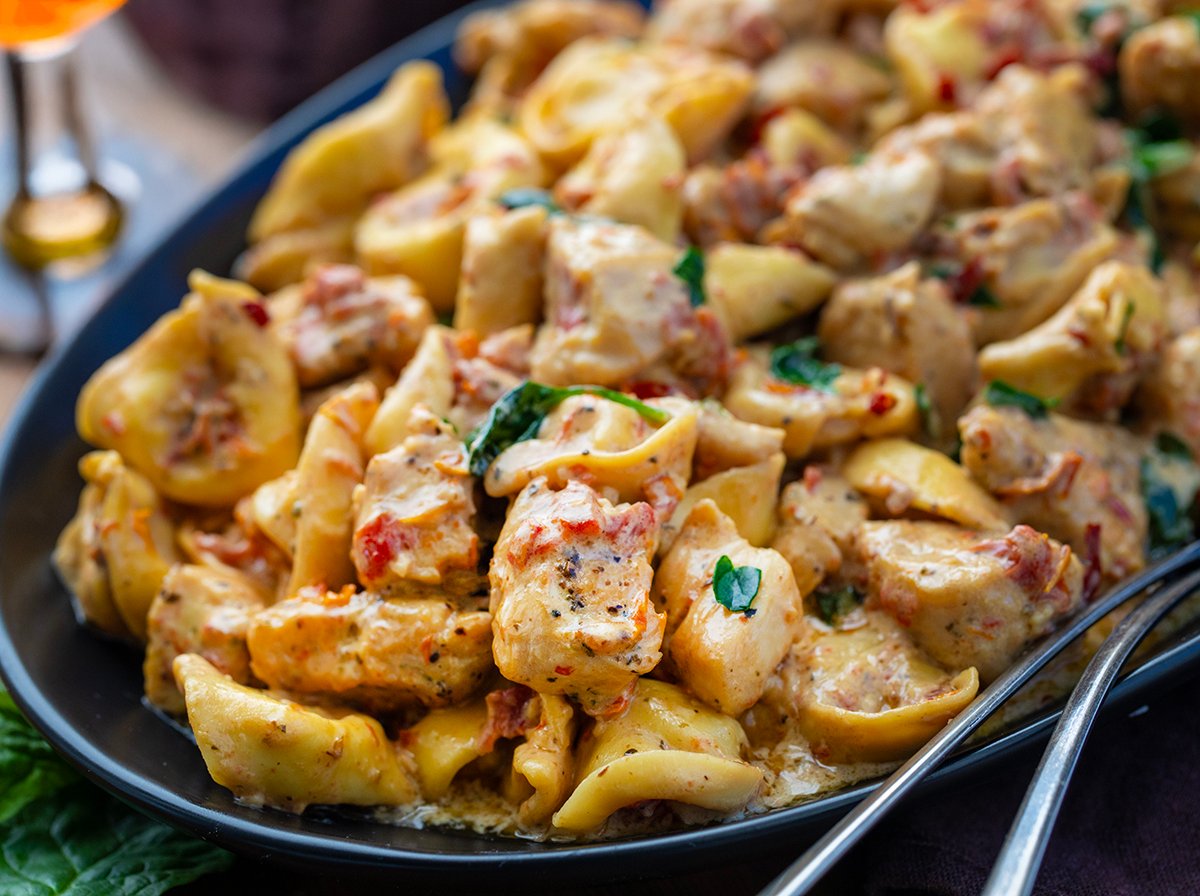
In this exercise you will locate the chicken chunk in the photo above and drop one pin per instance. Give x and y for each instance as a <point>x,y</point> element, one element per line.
<point>344,323</point>
<point>614,310</point>
<point>376,653</point>
<point>202,611</point>
<point>571,582</point>
<point>910,327</point>
<point>413,531</point>
<point>722,656</point>
<point>1066,477</point>
<point>851,216</point>
<point>1171,394</point>
<point>1158,67</point>
<point>819,516</point>
<point>969,600</point>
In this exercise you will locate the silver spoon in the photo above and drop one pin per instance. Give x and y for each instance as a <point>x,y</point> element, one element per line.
<point>815,863</point>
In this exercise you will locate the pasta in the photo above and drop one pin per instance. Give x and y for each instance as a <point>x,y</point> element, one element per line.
<point>690,427</point>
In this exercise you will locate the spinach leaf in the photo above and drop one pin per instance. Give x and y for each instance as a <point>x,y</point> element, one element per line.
<point>59,836</point>
<point>516,416</point>
<point>735,587</point>
<point>1170,481</point>
<point>929,416</point>
<point>29,768</point>
<point>998,394</point>
<point>522,197</point>
<point>1126,317</point>
<point>833,604</point>
<point>1151,155</point>
<point>690,269</point>
<point>983,297</point>
<point>797,363</point>
<point>83,843</point>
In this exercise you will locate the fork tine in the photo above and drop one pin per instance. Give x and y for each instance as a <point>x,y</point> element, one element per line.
<point>803,874</point>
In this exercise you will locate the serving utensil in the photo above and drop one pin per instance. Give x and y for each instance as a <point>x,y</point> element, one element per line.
<point>1173,578</point>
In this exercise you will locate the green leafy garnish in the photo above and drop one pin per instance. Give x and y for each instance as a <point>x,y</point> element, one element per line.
<point>1126,317</point>
<point>999,394</point>
<point>29,769</point>
<point>983,297</point>
<point>1152,154</point>
<point>834,604</point>
<point>690,269</point>
<point>1194,15</point>
<point>1087,15</point>
<point>797,363</point>
<point>60,836</point>
<point>1169,482</point>
<point>925,408</point>
<point>735,587</point>
<point>516,416</point>
<point>523,197</point>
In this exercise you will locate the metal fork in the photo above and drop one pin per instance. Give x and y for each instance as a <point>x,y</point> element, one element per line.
<point>1167,575</point>
<point>1021,855</point>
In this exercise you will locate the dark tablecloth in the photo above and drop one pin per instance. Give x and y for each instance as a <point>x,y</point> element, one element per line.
<point>1130,827</point>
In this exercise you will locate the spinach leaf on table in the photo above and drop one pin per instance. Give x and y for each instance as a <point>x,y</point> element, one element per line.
<point>60,836</point>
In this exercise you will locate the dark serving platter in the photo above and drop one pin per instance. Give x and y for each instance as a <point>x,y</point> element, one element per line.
<point>84,693</point>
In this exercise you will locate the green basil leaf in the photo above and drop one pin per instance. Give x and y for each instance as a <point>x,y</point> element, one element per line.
<point>29,768</point>
<point>518,414</point>
<point>983,297</point>
<point>925,408</point>
<point>735,587</point>
<point>1170,445</point>
<point>1151,160</point>
<point>83,843</point>
<point>690,269</point>
<point>797,363</point>
<point>523,197</point>
<point>834,604</point>
<point>1126,317</point>
<point>1170,483</point>
<point>999,394</point>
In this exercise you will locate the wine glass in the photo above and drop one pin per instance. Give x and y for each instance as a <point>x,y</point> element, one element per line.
<point>66,213</point>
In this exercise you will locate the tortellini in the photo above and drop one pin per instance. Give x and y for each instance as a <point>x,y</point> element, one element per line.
<point>205,405</point>
<point>666,746</point>
<point>272,752</point>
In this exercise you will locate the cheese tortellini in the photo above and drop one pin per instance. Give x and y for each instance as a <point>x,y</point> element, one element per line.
<point>688,428</point>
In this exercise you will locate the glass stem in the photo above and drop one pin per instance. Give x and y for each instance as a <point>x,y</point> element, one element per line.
<point>21,127</point>
<point>74,119</point>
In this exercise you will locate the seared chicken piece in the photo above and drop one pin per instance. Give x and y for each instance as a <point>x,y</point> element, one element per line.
<point>910,327</point>
<point>615,309</point>
<point>853,216</point>
<point>571,582</point>
<point>969,600</point>
<point>413,530</point>
<point>202,611</point>
<point>819,516</point>
<point>373,652</point>
<point>1065,477</point>
<point>722,656</point>
<point>1171,394</point>
<point>1159,66</point>
<point>340,323</point>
